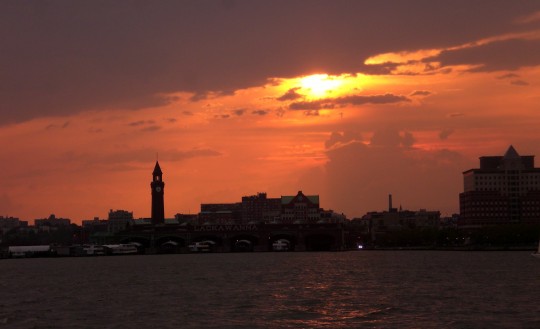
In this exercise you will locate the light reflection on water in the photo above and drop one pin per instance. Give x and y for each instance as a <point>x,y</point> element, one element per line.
<point>390,289</point>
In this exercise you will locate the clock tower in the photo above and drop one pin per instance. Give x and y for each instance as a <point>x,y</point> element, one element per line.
<point>157,186</point>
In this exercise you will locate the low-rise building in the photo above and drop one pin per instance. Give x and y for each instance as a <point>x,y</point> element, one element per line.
<point>260,209</point>
<point>329,216</point>
<point>395,219</point>
<point>52,223</point>
<point>9,223</point>
<point>220,213</point>
<point>187,218</point>
<point>119,220</point>
<point>300,209</point>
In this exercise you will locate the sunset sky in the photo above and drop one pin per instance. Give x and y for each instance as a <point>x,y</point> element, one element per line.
<point>351,100</point>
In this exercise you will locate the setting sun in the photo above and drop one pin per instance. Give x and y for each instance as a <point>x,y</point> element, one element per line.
<point>319,85</point>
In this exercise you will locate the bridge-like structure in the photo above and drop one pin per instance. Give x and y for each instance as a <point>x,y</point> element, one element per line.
<point>233,238</point>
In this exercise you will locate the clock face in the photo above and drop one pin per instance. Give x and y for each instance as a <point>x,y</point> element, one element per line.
<point>158,188</point>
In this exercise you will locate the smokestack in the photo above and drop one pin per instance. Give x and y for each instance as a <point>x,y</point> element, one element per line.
<point>389,202</point>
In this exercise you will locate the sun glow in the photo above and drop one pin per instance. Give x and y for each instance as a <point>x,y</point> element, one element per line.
<point>320,85</point>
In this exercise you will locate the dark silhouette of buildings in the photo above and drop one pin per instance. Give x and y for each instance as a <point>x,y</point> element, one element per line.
<point>221,213</point>
<point>119,219</point>
<point>396,219</point>
<point>255,209</point>
<point>258,207</point>
<point>9,223</point>
<point>300,208</point>
<point>157,185</point>
<point>504,190</point>
<point>52,222</point>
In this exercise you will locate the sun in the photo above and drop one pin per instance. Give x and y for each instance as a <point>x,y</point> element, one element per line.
<point>319,85</point>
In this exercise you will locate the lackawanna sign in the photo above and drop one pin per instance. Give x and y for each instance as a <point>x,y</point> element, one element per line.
<point>225,228</point>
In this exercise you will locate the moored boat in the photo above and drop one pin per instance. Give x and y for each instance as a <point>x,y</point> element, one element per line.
<point>93,250</point>
<point>30,251</point>
<point>120,249</point>
<point>204,246</point>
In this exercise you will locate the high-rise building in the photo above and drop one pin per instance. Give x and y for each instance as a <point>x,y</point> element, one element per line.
<point>505,189</point>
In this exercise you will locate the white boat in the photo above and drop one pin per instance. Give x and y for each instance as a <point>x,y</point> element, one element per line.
<point>29,251</point>
<point>93,250</point>
<point>203,246</point>
<point>120,249</point>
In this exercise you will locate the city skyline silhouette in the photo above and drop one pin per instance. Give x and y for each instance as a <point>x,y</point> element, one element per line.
<point>348,100</point>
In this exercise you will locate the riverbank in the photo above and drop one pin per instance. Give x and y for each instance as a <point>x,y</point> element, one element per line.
<point>4,254</point>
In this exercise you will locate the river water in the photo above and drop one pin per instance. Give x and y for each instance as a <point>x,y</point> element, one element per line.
<point>364,289</point>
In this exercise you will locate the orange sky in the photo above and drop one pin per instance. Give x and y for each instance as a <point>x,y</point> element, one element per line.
<point>346,99</point>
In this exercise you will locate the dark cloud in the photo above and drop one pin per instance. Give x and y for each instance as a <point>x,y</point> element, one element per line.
<point>421,93</point>
<point>259,112</point>
<point>171,120</point>
<point>378,69</point>
<point>338,138</point>
<point>280,112</point>
<point>392,138</point>
<point>312,105</point>
<point>519,83</point>
<point>445,133</point>
<point>222,116</point>
<point>151,128</point>
<point>371,99</point>
<point>189,113</point>
<point>330,103</point>
<point>55,126</point>
<point>290,95</point>
<point>390,68</point>
<point>508,76</point>
<point>359,177</point>
<point>407,139</point>
<point>209,94</point>
<point>141,123</point>
<point>506,55</point>
<point>312,113</point>
<point>239,112</point>
<point>60,58</point>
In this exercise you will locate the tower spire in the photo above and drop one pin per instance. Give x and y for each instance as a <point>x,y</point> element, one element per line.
<point>157,170</point>
<point>157,186</point>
